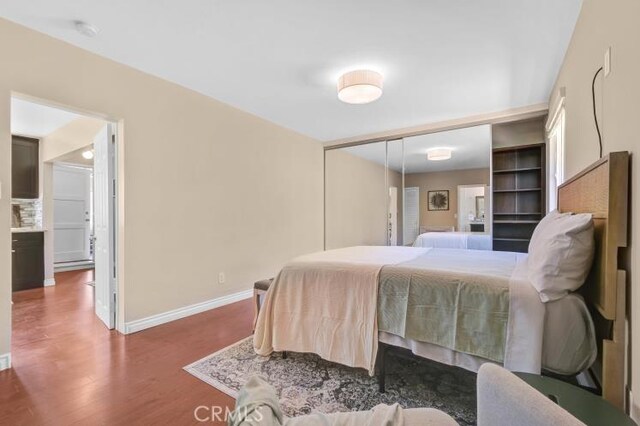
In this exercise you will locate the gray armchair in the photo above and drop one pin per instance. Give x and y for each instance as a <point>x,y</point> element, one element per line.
<point>506,400</point>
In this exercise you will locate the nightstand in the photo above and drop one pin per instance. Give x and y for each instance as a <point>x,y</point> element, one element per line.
<point>589,408</point>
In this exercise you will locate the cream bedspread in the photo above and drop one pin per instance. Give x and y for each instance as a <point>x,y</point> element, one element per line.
<point>296,317</point>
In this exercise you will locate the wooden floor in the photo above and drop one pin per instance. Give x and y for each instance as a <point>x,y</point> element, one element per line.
<point>69,369</point>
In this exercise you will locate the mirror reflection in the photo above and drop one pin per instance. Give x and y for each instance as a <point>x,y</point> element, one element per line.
<point>447,179</point>
<point>428,191</point>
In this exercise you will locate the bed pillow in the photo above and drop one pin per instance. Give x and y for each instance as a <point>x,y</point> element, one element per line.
<point>560,254</point>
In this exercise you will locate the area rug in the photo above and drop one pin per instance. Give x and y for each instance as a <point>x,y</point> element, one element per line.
<point>306,383</point>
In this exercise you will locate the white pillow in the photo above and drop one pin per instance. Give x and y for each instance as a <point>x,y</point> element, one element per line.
<point>560,254</point>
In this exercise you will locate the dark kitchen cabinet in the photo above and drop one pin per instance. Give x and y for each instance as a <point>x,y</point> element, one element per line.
<point>28,260</point>
<point>24,167</point>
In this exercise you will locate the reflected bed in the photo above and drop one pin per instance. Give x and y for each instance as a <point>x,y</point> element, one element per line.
<point>454,240</point>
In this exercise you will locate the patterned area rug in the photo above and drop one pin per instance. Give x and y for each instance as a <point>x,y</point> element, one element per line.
<point>306,383</point>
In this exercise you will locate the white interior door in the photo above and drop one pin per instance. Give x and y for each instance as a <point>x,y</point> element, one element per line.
<point>104,218</point>
<point>71,213</point>
<point>411,215</point>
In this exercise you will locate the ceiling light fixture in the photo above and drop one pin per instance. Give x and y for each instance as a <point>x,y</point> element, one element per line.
<point>87,155</point>
<point>360,87</point>
<point>439,154</point>
<point>86,29</point>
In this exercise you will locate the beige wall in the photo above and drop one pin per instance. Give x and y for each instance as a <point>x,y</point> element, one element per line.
<point>444,180</point>
<point>356,203</point>
<point>517,133</point>
<point>602,24</point>
<point>183,220</point>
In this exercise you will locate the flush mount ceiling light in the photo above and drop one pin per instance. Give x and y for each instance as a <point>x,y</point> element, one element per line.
<point>439,154</point>
<point>360,87</point>
<point>86,29</point>
<point>87,155</point>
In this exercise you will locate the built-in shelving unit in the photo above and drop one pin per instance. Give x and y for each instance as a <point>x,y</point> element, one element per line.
<point>519,198</point>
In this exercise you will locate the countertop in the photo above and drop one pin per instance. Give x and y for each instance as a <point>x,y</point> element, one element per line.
<point>27,229</point>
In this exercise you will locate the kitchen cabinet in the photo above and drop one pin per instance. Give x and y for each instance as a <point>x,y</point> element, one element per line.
<point>28,260</point>
<point>24,167</point>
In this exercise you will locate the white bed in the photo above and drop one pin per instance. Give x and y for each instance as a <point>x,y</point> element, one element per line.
<point>556,336</point>
<point>454,240</point>
<point>568,343</point>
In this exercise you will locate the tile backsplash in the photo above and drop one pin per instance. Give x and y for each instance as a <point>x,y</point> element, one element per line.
<point>30,212</point>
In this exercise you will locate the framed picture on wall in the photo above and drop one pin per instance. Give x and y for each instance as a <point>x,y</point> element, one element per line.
<point>438,200</point>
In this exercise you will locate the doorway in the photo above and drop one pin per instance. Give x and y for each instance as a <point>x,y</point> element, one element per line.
<point>472,213</point>
<point>72,205</point>
<point>73,216</point>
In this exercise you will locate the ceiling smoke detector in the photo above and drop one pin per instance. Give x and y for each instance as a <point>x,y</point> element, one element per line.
<point>86,29</point>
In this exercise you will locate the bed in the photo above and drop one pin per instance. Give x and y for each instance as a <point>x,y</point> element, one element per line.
<point>454,240</point>
<point>412,297</point>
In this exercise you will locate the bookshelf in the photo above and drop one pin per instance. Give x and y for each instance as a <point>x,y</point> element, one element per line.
<point>519,197</point>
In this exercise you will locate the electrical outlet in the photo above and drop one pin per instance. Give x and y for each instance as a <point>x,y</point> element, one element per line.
<point>607,61</point>
<point>221,278</point>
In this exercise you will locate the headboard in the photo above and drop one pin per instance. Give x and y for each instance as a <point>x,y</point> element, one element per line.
<point>603,190</point>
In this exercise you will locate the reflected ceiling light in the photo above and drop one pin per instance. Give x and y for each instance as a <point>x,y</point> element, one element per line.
<point>439,154</point>
<point>360,87</point>
<point>86,29</point>
<point>87,155</point>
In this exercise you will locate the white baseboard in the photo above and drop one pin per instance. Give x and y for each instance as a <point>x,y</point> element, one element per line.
<point>634,408</point>
<point>5,361</point>
<point>176,314</point>
<point>49,282</point>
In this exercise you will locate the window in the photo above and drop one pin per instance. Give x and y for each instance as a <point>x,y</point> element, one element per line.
<point>556,155</point>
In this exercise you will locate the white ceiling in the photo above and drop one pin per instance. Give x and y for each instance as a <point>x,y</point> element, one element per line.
<point>280,60</point>
<point>471,149</point>
<point>76,158</point>
<point>31,119</point>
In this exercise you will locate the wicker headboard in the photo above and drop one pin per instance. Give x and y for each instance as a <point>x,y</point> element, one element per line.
<point>603,190</point>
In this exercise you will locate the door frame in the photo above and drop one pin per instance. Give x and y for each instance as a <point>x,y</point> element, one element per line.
<point>471,185</point>
<point>119,185</point>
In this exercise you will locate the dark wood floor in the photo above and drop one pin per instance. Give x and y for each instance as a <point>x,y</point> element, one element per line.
<point>69,369</point>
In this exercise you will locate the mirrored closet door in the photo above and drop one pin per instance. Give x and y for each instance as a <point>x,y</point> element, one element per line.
<point>355,200</point>
<point>447,175</point>
<point>401,191</point>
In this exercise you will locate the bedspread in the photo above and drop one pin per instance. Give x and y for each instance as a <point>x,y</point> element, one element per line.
<point>325,303</point>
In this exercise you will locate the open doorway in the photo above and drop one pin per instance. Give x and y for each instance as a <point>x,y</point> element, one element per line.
<point>472,212</point>
<point>64,205</point>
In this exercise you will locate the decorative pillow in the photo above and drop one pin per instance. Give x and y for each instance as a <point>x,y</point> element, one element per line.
<point>560,254</point>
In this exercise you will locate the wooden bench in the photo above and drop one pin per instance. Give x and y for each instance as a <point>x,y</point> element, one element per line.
<point>259,290</point>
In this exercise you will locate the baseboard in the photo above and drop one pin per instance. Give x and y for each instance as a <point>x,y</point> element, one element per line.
<point>634,408</point>
<point>5,361</point>
<point>176,314</point>
<point>79,267</point>
<point>49,282</point>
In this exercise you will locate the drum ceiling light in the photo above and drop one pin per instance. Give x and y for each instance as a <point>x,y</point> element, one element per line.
<point>360,87</point>
<point>439,154</point>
